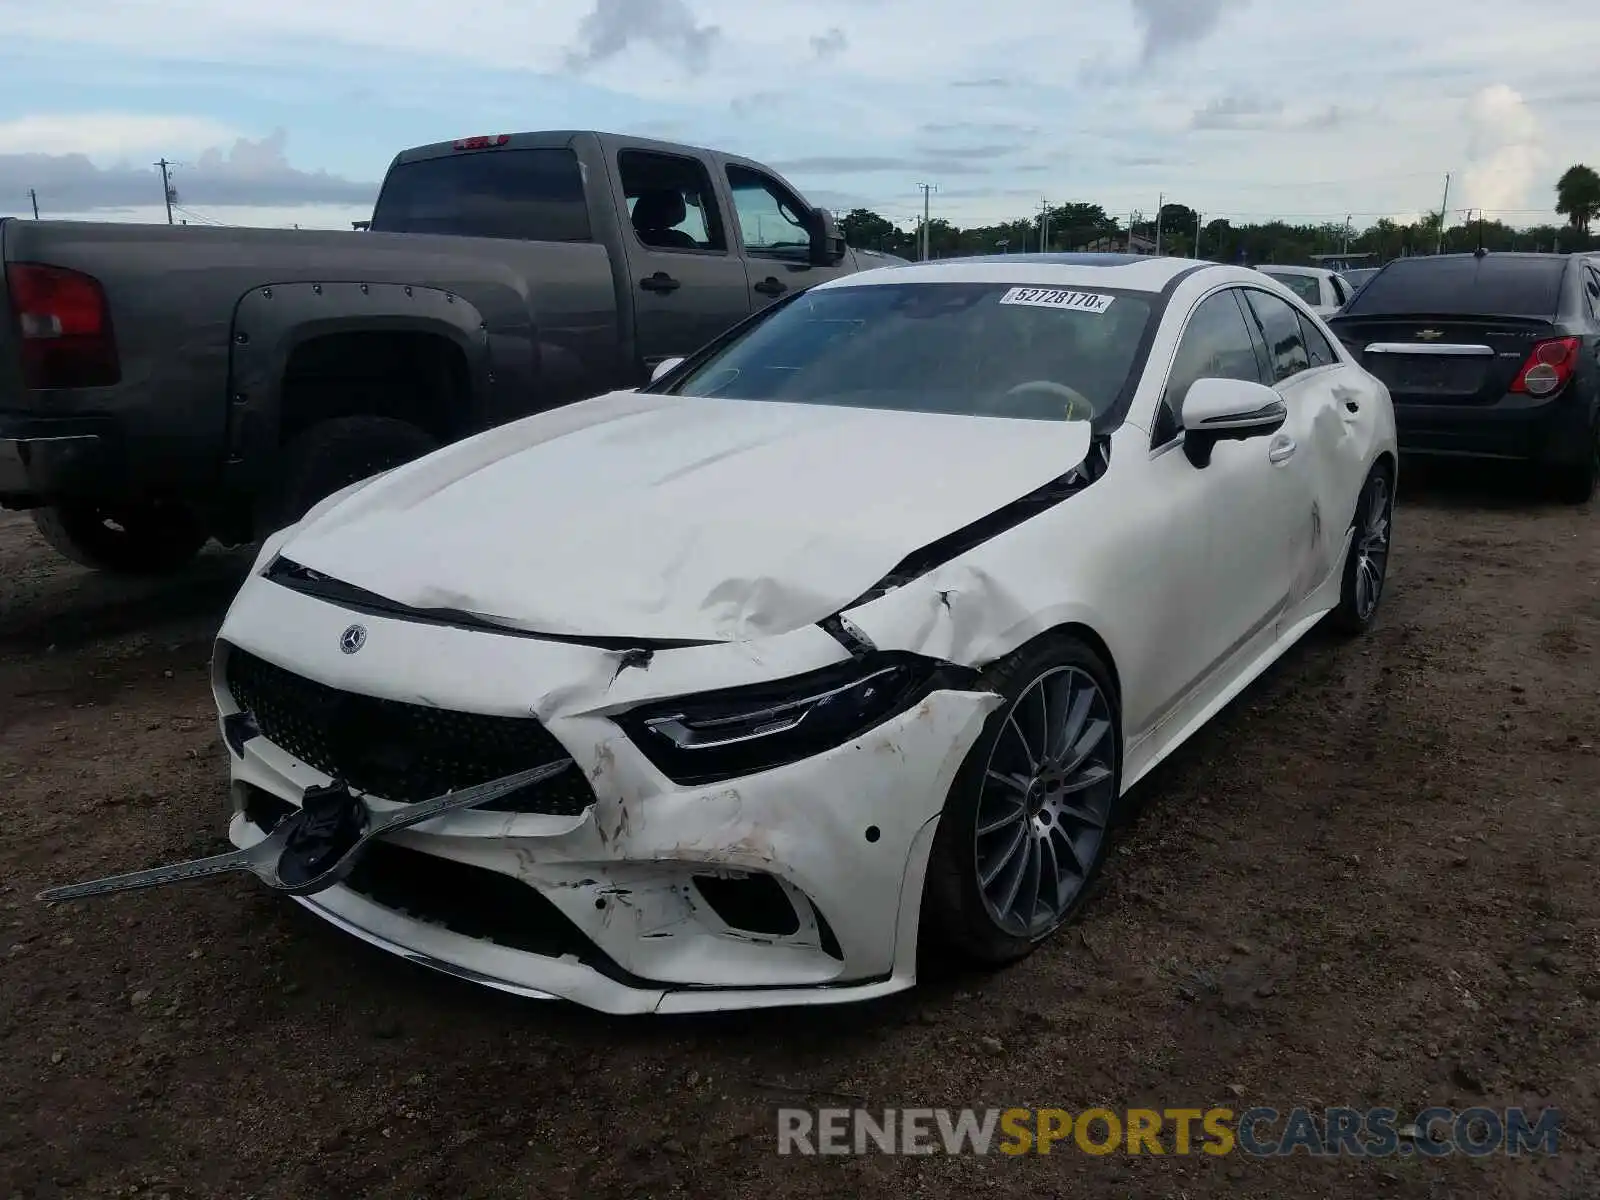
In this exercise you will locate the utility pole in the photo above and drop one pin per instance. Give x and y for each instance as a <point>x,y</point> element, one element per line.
<point>1161,202</point>
<point>34,196</point>
<point>166,188</point>
<point>1444,207</point>
<point>1133,219</point>
<point>1044,226</point>
<point>927,190</point>
<point>1199,223</point>
<point>1346,250</point>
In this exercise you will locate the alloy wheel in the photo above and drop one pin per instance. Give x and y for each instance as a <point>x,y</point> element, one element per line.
<point>1046,801</point>
<point>1372,547</point>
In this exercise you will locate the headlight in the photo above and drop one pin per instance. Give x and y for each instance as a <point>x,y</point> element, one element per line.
<point>716,736</point>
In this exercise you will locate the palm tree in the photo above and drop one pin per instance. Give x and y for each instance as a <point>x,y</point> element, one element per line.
<point>1578,196</point>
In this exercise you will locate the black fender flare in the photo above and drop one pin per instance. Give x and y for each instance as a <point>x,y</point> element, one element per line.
<point>271,321</point>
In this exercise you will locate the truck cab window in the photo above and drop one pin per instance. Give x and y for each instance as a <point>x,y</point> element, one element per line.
<point>670,201</point>
<point>771,221</point>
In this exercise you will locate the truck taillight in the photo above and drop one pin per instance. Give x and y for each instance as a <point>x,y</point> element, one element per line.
<point>64,325</point>
<point>1550,364</point>
<point>481,141</point>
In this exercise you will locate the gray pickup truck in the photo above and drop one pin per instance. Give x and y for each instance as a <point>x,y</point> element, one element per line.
<point>160,386</point>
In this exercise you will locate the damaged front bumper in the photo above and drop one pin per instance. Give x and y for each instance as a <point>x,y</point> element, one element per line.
<point>619,889</point>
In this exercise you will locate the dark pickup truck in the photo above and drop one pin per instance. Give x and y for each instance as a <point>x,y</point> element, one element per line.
<point>163,385</point>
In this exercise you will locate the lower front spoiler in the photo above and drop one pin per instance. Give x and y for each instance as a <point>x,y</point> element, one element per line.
<point>565,979</point>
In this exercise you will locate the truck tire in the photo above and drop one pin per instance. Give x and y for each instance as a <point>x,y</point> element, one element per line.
<point>334,455</point>
<point>145,539</point>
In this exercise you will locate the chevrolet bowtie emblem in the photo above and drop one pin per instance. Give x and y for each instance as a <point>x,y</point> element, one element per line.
<point>1429,335</point>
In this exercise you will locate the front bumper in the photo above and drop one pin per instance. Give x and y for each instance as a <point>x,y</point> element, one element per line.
<point>800,885</point>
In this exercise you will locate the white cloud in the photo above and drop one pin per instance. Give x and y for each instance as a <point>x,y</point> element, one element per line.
<point>110,136</point>
<point>1505,149</point>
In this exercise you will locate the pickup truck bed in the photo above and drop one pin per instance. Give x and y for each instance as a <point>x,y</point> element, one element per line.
<point>161,385</point>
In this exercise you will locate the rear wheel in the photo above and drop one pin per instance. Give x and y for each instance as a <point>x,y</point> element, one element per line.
<point>334,455</point>
<point>1576,484</point>
<point>152,538</point>
<point>1025,828</point>
<point>1366,566</point>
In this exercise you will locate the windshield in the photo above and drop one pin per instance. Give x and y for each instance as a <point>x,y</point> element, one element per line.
<point>1307,287</point>
<point>981,349</point>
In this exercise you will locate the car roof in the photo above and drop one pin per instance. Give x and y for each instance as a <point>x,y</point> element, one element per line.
<point>1285,269</point>
<point>1125,272</point>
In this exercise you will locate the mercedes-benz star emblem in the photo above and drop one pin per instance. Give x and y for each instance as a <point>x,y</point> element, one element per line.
<point>353,638</point>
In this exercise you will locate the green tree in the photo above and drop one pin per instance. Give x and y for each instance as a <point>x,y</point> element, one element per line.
<point>1578,196</point>
<point>864,228</point>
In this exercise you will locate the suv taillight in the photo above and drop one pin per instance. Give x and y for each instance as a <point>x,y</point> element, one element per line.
<point>1550,364</point>
<point>64,325</point>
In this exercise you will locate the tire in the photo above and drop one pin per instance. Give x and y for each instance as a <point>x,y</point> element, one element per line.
<point>135,540</point>
<point>960,915</point>
<point>334,455</point>
<point>1577,483</point>
<point>1366,564</point>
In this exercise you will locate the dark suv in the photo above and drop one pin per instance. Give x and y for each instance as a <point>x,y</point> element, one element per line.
<point>1489,355</point>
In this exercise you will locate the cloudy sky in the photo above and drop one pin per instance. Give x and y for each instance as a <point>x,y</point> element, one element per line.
<point>288,112</point>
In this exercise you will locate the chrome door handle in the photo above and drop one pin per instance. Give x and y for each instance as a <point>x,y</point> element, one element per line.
<point>1281,450</point>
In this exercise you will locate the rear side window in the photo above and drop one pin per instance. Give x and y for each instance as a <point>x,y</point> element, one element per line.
<point>670,201</point>
<point>1317,348</point>
<point>532,195</point>
<point>1280,326</point>
<point>1591,291</point>
<point>1508,285</point>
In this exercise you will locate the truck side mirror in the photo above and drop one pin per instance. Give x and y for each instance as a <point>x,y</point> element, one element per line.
<point>827,246</point>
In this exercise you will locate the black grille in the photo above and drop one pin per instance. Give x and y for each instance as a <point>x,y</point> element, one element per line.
<point>401,752</point>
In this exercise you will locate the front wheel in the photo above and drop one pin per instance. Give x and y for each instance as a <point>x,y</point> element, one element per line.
<point>1366,566</point>
<point>1025,828</point>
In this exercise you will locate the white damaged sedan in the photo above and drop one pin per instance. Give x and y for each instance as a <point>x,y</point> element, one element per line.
<point>851,630</point>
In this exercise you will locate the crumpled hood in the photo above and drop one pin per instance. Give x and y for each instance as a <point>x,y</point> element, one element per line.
<point>639,515</point>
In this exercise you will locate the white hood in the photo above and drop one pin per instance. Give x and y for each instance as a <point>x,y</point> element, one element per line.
<point>637,515</point>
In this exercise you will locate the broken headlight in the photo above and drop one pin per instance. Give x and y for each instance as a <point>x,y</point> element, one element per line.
<point>722,735</point>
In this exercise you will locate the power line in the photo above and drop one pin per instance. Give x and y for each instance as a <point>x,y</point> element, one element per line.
<point>200,217</point>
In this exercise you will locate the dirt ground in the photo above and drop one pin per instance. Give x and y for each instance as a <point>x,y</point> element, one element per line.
<point>1373,881</point>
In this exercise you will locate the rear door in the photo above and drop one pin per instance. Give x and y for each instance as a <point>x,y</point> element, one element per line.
<point>774,236</point>
<point>1324,441</point>
<point>1452,331</point>
<point>688,284</point>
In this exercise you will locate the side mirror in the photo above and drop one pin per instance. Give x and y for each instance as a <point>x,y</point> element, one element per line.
<point>665,366</point>
<point>1227,410</point>
<point>827,246</point>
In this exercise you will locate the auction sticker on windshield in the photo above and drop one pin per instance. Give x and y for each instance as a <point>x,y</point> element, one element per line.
<point>1055,298</point>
